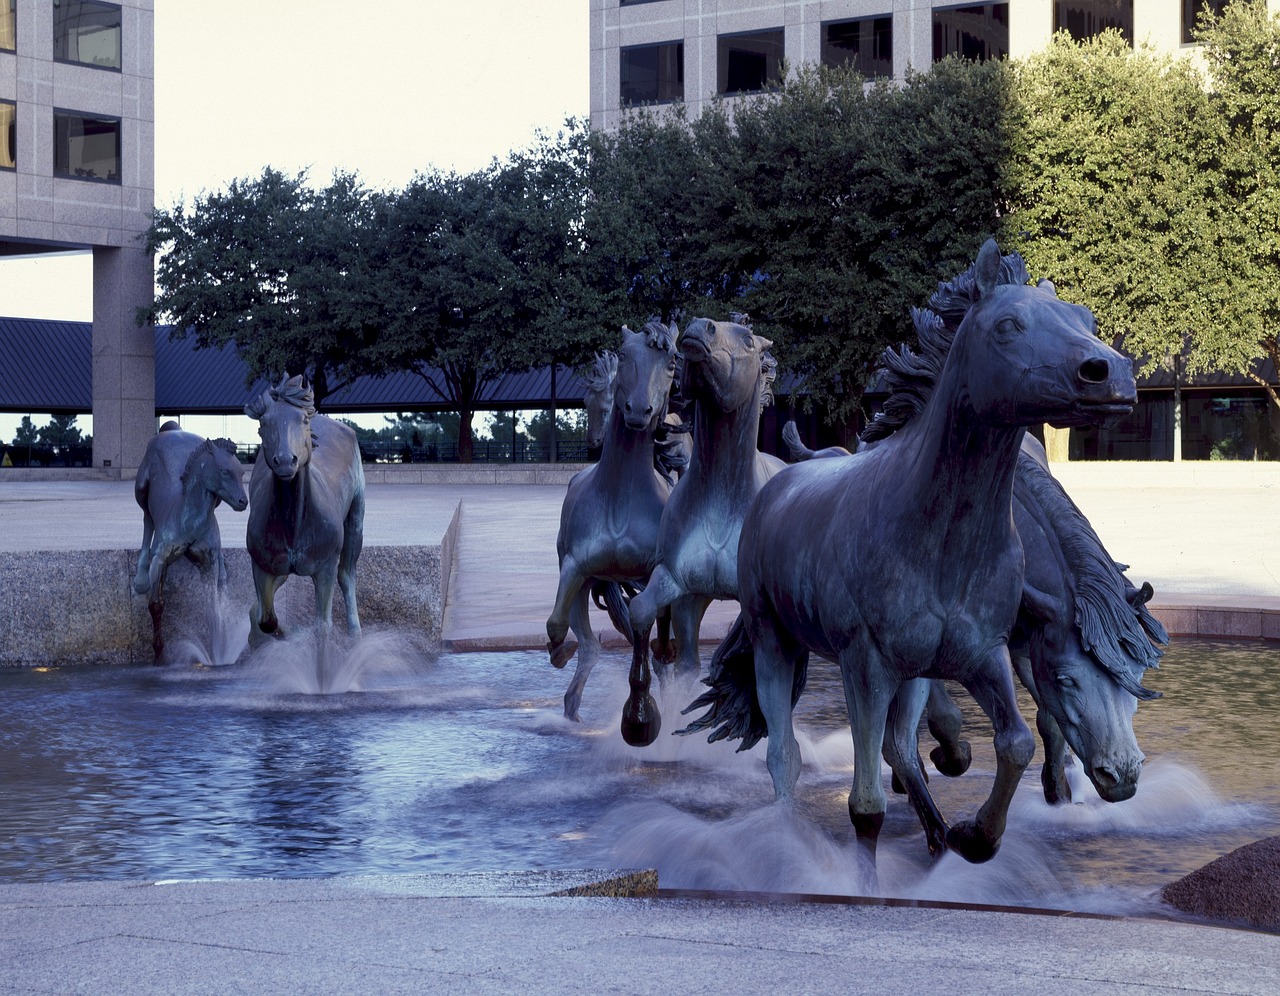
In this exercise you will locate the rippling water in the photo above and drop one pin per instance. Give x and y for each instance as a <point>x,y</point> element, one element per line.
<point>464,763</point>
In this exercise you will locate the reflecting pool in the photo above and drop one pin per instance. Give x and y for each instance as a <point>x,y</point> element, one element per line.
<point>464,763</point>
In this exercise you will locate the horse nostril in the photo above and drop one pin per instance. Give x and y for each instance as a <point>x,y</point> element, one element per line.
<point>1104,774</point>
<point>1094,371</point>
<point>648,411</point>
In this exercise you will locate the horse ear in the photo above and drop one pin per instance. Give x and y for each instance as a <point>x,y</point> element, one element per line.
<point>1040,604</point>
<point>764,343</point>
<point>1047,285</point>
<point>986,270</point>
<point>257,407</point>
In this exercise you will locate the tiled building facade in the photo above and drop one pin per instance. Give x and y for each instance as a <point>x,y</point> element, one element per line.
<point>77,133</point>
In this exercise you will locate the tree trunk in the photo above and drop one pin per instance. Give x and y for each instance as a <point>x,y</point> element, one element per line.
<point>466,443</point>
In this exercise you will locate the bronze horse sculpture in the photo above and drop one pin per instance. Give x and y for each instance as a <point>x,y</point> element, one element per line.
<point>1082,639</point>
<point>608,533</point>
<point>728,373</point>
<point>306,513</point>
<point>181,480</point>
<point>902,561</point>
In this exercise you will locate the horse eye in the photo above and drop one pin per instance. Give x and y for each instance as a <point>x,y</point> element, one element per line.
<point>749,341</point>
<point>1008,327</point>
<point>1066,681</point>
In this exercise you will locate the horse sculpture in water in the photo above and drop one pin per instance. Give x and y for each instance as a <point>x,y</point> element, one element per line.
<point>306,512</point>
<point>609,520</point>
<point>180,482</point>
<point>902,561</point>
<point>728,373</point>
<point>1082,639</point>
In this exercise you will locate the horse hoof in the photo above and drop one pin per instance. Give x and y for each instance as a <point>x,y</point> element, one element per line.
<point>563,654</point>
<point>1056,790</point>
<point>971,843</point>
<point>641,721</point>
<point>665,653</point>
<point>955,763</point>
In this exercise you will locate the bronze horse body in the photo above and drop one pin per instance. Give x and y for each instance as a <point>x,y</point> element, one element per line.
<point>727,378</point>
<point>609,520</point>
<point>181,480</point>
<point>306,511</point>
<point>1081,642</point>
<point>902,561</point>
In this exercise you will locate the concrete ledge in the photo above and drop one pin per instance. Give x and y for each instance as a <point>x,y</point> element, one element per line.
<point>476,473</point>
<point>1162,474</point>
<point>1223,616</point>
<point>79,607</point>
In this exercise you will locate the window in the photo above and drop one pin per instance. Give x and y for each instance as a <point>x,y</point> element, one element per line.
<point>86,32</point>
<point>8,135</point>
<point>87,148</point>
<point>1191,13</point>
<point>652,72</point>
<point>9,25</point>
<point>978,31</point>
<point>866,43</point>
<point>1083,19</point>
<point>746,63</point>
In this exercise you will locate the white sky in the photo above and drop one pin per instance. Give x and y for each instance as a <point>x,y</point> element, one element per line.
<point>379,87</point>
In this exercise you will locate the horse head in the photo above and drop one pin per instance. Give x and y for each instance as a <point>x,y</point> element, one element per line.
<point>598,401</point>
<point>224,474</point>
<point>1031,357</point>
<point>727,362</point>
<point>284,415</point>
<point>1087,643</point>
<point>646,367</point>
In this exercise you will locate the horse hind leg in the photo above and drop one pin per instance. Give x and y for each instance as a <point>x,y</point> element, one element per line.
<point>953,755</point>
<point>588,652</point>
<point>352,544</point>
<point>155,605</point>
<point>901,752</point>
<point>777,664</point>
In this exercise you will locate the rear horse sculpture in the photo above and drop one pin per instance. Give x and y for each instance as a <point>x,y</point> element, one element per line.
<point>902,561</point>
<point>728,375</point>
<point>306,512</point>
<point>180,482</point>
<point>609,520</point>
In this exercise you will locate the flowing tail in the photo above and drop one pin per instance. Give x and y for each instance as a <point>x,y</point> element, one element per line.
<point>791,436</point>
<point>733,711</point>
<point>614,599</point>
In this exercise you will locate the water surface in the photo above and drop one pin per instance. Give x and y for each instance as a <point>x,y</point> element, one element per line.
<point>464,763</point>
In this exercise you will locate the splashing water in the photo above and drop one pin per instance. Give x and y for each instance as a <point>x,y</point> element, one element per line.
<point>394,761</point>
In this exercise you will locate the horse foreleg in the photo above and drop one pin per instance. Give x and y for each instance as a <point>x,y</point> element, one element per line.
<point>686,617</point>
<point>901,751</point>
<point>325,582</point>
<point>1053,773</point>
<point>868,691</point>
<point>992,686</point>
<point>664,649</point>
<point>775,671</point>
<point>572,582</point>
<point>155,605</point>
<point>352,544</point>
<point>953,754</point>
<point>641,720</point>
<point>262,614</point>
<point>588,652</point>
<point>142,581</point>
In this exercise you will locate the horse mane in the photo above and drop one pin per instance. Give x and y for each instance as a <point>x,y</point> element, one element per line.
<point>296,391</point>
<point>911,376</point>
<point>1111,629</point>
<point>768,365</point>
<point>205,447</point>
<point>599,375</point>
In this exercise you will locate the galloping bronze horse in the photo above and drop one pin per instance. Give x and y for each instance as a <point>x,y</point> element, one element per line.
<point>902,561</point>
<point>728,373</point>
<point>609,520</point>
<point>306,508</point>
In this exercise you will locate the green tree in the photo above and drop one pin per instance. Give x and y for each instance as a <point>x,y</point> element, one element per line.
<point>287,273</point>
<point>842,206</point>
<point>27,434</point>
<point>1242,53</point>
<point>484,274</point>
<point>1117,195</point>
<point>61,432</point>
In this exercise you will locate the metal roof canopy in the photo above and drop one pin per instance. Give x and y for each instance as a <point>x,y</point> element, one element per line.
<point>46,366</point>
